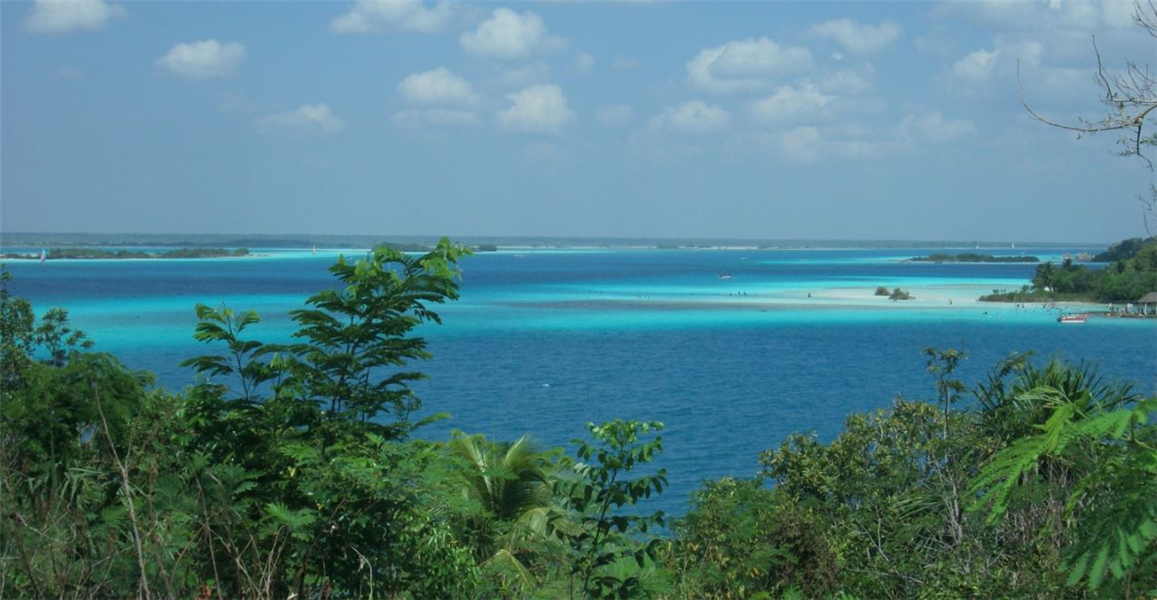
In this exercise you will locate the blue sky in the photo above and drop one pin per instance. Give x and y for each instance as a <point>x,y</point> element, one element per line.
<point>866,120</point>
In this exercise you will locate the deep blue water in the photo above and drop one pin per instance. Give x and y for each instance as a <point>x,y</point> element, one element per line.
<point>542,342</point>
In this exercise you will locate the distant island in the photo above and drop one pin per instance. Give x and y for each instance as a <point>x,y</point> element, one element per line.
<point>970,257</point>
<point>894,294</point>
<point>91,253</point>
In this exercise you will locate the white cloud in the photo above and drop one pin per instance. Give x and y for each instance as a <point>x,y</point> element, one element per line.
<point>373,16</point>
<point>933,127</point>
<point>859,38</point>
<point>540,108</point>
<point>1084,15</point>
<point>507,35</point>
<point>438,86</point>
<point>856,141</point>
<point>524,75</point>
<point>615,114</point>
<point>65,16</point>
<point>310,118</point>
<point>692,117</point>
<point>976,66</point>
<point>847,83</point>
<point>584,61</point>
<point>623,63</point>
<point>790,103</point>
<point>851,142</point>
<point>203,59</point>
<point>801,144</point>
<point>982,65</point>
<point>744,65</point>
<point>996,12</point>
<point>438,117</point>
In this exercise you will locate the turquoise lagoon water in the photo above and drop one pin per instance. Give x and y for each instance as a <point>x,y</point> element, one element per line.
<point>542,342</point>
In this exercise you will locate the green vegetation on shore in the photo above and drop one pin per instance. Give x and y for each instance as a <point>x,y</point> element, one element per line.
<point>969,257</point>
<point>91,253</point>
<point>1125,280</point>
<point>296,470</point>
<point>1125,249</point>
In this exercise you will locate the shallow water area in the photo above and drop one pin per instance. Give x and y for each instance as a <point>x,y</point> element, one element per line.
<point>733,349</point>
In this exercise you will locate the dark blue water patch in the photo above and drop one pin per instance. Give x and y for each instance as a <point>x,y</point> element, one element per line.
<point>726,395</point>
<point>484,271</point>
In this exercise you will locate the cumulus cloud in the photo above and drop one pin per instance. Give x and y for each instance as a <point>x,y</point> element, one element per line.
<point>855,141</point>
<point>976,66</point>
<point>439,86</point>
<point>310,118</point>
<point>584,61</point>
<point>375,16</point>
<point>692,117</point>
<point>847,83</point>
<point>524,75</point>
<point>744,65</point>
<point>859,38</point>
<point>801,144</point>
<point>1083,15</point>
<point>981,65</point>
<point>438,117</point>
<point>852,142</point>
<point>540,108</point>
<point>933,127</point>
<point>203,59</point>
<point>623,63</point>
<point>791,103</point>
<point>66,16</point>
<point>507,35</point>
<point>615,114</point>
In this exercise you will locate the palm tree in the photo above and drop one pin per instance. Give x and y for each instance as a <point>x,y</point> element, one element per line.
<point>510,484</point>
<point>1044,276</point>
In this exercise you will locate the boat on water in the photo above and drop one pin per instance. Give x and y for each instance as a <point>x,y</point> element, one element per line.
<point>1073,318</point>
<point>725,275</point>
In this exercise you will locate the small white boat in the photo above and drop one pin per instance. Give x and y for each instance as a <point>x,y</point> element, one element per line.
<point>1074,318</point>
<point>725,275</point>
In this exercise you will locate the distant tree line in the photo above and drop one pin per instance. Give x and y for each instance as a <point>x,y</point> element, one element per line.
<point>94,253</point>
<point>1124,249</point>
<point>969,257</point>
<point>1124,280</point>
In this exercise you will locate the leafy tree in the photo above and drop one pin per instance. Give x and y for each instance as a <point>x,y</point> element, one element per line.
<point>343,502</point>
<point>1112,504</point>
<point>739,540</point>
<point>597,488</point>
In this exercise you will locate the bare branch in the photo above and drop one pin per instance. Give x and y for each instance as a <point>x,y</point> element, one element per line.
<point>1129,96</point>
